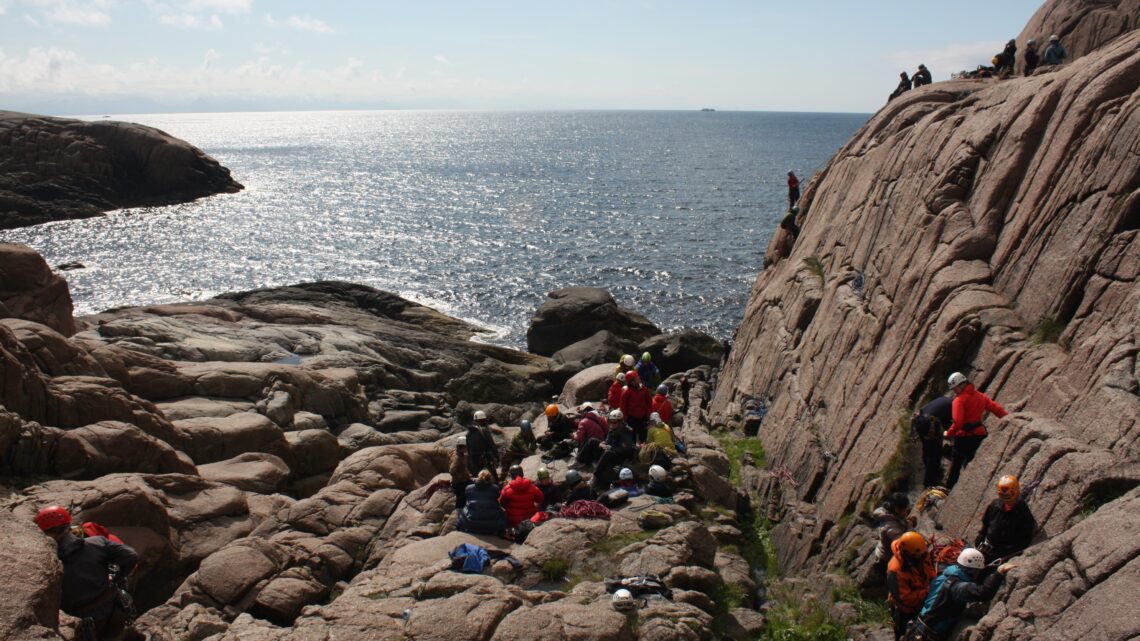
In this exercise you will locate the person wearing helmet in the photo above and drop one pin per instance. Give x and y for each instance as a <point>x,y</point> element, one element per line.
<point>1055,54</point>
<point>660,443</point>
<point>559,427</point>
<point>89,589</point>
<point>1031,58</point>
<point>659,484</point>
<point>1007,525</point>
<point>909,574</point>
<point>628,482</point>
<point>460,473</point>
<point>928,424</point>
<point>661,405</point>
<point>967,431</point>
<point>623,600</point>
<point>648,372</point>
<point>520,498</point>
<point>625,364</point>
<point>619,448</point>
<point>482,451</point>
<point>552,493</point>
<point>793,189</point>
<point>921,77</point>
<point>952,590</point>
<point>482,513</point>
<point>893,519</point>
<point>522,445</point>
<point>613,396</point>
<point>636,402</point>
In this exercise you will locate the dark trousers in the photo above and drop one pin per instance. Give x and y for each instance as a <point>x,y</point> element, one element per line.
<point>901,619</point>
<point>460,489</point>
<point>640,427</point>
<point>965,447</point>
<point>606,472</point>
<point>932,461</point>
<point>589,451</point>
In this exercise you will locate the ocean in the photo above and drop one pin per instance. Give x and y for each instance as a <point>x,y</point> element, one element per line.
<point>478,214</point>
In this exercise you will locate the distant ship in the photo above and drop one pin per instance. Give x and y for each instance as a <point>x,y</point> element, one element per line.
<point>708,109</point>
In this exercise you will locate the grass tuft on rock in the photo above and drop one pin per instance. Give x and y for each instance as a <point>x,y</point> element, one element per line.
<point>1048,330</point>
<point>735,447</point>
<point>555,569</point>
<point>815,266</point>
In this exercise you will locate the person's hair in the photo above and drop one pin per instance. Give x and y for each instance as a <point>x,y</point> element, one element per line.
<point>897,501</point>
<point>485,477</point>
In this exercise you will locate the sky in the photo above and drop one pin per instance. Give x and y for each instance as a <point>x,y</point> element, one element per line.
<point>90,57</point>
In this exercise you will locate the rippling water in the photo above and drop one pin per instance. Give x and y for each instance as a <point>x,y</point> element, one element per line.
<point>477,214</point>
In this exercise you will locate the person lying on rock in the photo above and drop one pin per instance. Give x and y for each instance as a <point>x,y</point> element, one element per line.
<point>577,489</point>
<point>909,573</point>
<point>482,513</point>
<point>552,493</point>
<point>619,447</point>
<point>482,451</point>
<point>559,427</point>
<point>520,498</point>
<point>93,568</point>
<point>893,519</point>
<point>460,476</point>
<point>1007,525</point>
<point>521,446</point>
<point>636,402</point>
<point>967,431</point>
<point>659,484</point>
<point>661,404</point>
<point>613,396</point>
<point>952,591</point>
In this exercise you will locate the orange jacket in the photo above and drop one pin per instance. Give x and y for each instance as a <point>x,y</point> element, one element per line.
<point>970,406</point>
<point>908,583</point>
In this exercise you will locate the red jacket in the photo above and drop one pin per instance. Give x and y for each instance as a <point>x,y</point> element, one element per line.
<point>969,407</point>
<point>636,403</point>
<point>614,395</point>
<point>520,500</point>
<point>793,182</point>
<point>663,407</point>
<point>908,583</point>
<point>590,426</point>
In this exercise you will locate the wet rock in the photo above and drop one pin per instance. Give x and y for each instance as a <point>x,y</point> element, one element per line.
<point>576,313</point>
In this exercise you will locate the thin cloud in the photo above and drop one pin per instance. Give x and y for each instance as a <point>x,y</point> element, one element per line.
<point>223,6</point>
<point>442,59</point>
<point>191,21</point>
<point>69,12</point>
<point>208,60</point>
<point>308,24</point>
<point>952,58</point>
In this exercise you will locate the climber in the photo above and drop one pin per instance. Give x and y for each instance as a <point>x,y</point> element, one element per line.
<point>893,519</point>
<point>659,484</point>
<point>1054,53</point>
<point>635,405</point>
<point>613,396</point>
<point>951,591</point>
<point>559,427</point>
<point>660,444</point>
<point>94,568</point>
<point>909,573</point>
<point>661,405</point>
<point>628,482</point>
<point>1006,59</point>
<point>903,87</point>
<point>922,77</point>
<point>460,474</point>
<point>520,498</point>
<point>1007,525</point>
<point>625,364</point>
<point>967,430</point>
<point>793,193</point>
<point>685,386</point>
<point>482,513</point>
<point>575,489</point>
<point>1031,58</point>
<point>520,447</point>
<point>552,493</point>
<point>591,432</point>
<point>619,447</point>
<point>482,452</point>
<point>929,423</point>
<point>647,371</point>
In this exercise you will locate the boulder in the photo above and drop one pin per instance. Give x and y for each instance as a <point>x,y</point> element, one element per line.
<point>108,447</point>
<point>590,384</point>
<point>312,452</point>
<point>1084,26</point>
<point>29,290</point>
<point>566,620</point>
<point>210,439</point>
<point>602,347</point>
<point>572,314</point>
<point>682,351</point>
<point>29,603</point>
<point>253,472</point>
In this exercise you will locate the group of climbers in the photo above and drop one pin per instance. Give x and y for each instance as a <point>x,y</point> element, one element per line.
<point>1003,64</point>
<point>920,78</point>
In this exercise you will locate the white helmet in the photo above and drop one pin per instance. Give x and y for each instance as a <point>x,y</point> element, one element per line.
<point>623,600</point>
<point>657,473</point>
<point>625,474</point>
<point>461,441</point>
<point>621,377</point>
<point>1031,42</point>
<point>971,558</point>
<point>956,379</point>
<point>655,418</point>
<point>616,415</point>
<point>628,360</point>
<point>480,415</point>
<point>586,407</point>
<point>1054,38</point>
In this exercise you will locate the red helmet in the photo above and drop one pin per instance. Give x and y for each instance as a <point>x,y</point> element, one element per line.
<point>52,517</point>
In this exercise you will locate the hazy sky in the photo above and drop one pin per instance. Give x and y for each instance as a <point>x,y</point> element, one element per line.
<point>129,56</point>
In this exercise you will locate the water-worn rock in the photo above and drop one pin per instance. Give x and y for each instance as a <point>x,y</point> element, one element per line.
<point>602,347</point>
<point>31,291</point>
<point>57,168</point>
<point>108,447</point>
<point>589,384</point>
<point>572,314</point>
<point>252,472</point>
<point>1083,25</point>
<point>29,603</point>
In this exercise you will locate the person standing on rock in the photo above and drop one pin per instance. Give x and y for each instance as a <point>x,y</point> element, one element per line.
<point>929,423</point>
<point>909,573</point>
<point>1031,58</point>
<point>647,371</point>
<point>482,452</point>
<point>626,364</point>
<point>1055,54</point>
<point>967,430</point>
<point>793,191</point>
<point>952,591</point>
<point>661,405</point>
<point>893,520</point>
<point>1007,525</point>
<point>636,405</point>
<point>613,396</point>
<point>521,446</point>
<point>92,568</point>
<point>460,474</point>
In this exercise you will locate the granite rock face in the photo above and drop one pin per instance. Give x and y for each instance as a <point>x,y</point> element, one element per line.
<point>983,227</point>
<point>1082,25</point>
<point>57,168</point>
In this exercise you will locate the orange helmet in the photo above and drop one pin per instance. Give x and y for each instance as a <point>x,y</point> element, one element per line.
<point>1009,490</point>
<point>912,544</point>
<point>551,410</point>
<point>52,517</point>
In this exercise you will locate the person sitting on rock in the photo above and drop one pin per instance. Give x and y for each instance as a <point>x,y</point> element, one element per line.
<point>576,489</point>
<point>967,430</point>
<point>522,445</point>
<point>592,430</point>
<point>552,493</point>
<point>661,404</point>
<point>952,590</point>
<point>1055,54</point>
<point>619,447</point>
<point>647,371</point>
<point>1031,58</point>
<point>909,573</point>
<point>628,482</point>
<point>1006,59</point>
<point>482,514</point>
<point>636,402</point>
<point>660,443</point>
<point>559,427</point>
<point>893,519</point>
<point>460,476</point>
<point>590,447</point>
<point>929,423</point>
<point>903,87</point>
<point>520,498</point>
<point>613,396</point>
<point>482,451</point>
<point>659,484</point>
<point>922,77</point>
<point>1007,525</point>
<point>93,568</point>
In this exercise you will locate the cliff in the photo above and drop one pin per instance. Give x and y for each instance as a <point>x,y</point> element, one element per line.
<point>988,227</point>
<point>57,168</point>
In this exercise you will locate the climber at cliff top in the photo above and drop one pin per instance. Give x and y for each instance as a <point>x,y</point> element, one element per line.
<point>952,591</point>
<point>1007,525</point>
<point>967,430</point>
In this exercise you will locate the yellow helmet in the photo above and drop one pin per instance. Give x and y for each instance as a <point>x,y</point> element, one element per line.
<point>1009,490</point>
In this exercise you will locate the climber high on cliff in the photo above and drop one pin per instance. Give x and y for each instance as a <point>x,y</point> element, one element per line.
<point>967,431</point>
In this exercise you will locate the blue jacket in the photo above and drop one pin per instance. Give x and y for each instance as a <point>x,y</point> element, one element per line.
<point>482,514</point>
<point>1054,54</point>
<point>649,374</point>
<point>949,594</point>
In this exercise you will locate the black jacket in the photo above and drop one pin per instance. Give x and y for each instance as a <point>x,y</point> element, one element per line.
<point>86,566</point>
<point>935,418</point>
<point>580,492</point>
<point>1007,532</point>
<point>561,427</point>
<point>482,513</point>
<point>482,453</point>
<point>621,439</point>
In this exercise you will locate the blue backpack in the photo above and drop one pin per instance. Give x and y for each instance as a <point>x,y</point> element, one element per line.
<point>468,558</point>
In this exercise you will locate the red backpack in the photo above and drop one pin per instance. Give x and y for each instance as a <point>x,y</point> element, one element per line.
<point>90,528</point>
